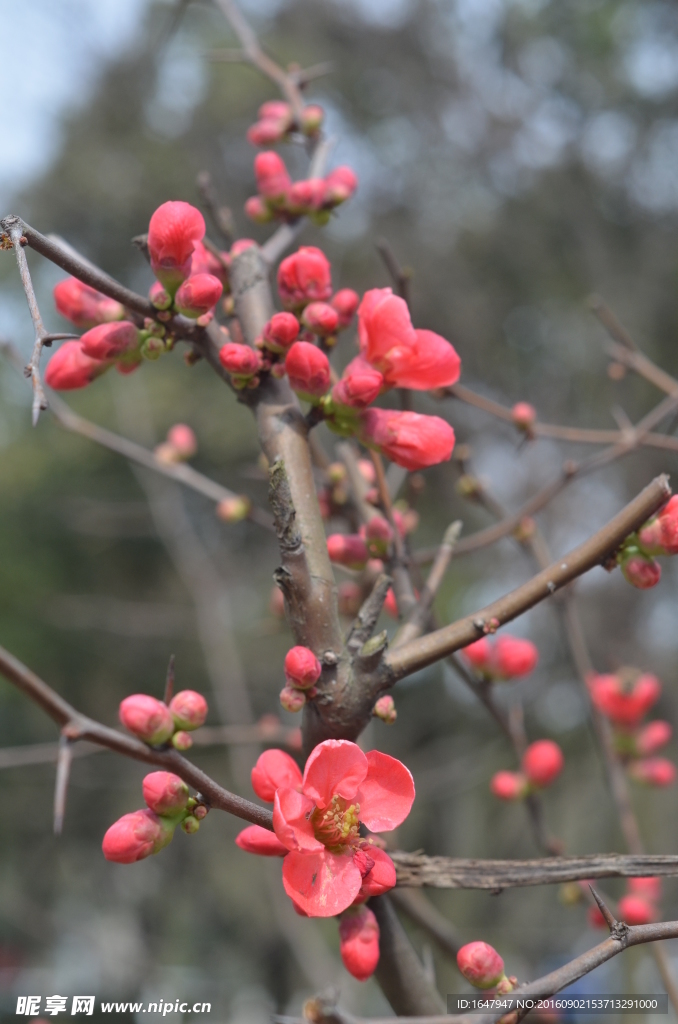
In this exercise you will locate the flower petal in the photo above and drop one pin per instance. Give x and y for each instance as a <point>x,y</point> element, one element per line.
<point>274,770</point>
<point>384,324</point>
<point>322,884</point>
<point>334,768</point>
<point>431,363</point>
<point>381,878</point>
<point>291,813</point>
<point>255,839</point>
<point>387,794</point>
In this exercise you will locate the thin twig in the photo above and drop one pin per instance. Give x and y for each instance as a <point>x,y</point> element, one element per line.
<point>14,228</point>
<point>63,774</point>
<point>418,617</point>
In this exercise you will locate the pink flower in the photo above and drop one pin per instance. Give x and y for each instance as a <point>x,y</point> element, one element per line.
<point>524,416</point>
<point>480,964</point>
<point>273,181</point>
<point>348,550</point>
<point>308,369</point>
<point>304,277</point>
<point>165,793</point>
<point>147,718</point>
<point>256,839</point>
<point>136,836</point>
<point>513,657</point>
<point>306,196</point>
<point>640,570</point>
<point>359,386</point>
<point>654,771</point>
<point>654,736</point>
<point>407,438</point>
<point>635,910</point>
<point>189,709</point>
<point>85,306</point>
<point>346,302</point>
<point>316,817</point>
<point>407,357</point>
<point>240,360</point>
<point>340,184</point>
<point>627,700</point>
<point>173,230</point>
<point>543,762</point>
<point>183,440</point>
<point>280,331</point>
<point>320,318</point>
<point>479,654</point>
<point>108,341</point>
<point>198,294</point>
<point>69,368</point>
<point>359,942</point>
<point>302,668</point>
<point>508,785</point>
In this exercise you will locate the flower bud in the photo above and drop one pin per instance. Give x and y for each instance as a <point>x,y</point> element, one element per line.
<point>240,360</point>
<point>273,181</point>
<point>274,109</point>
<point>359,385</point>
<point>292,699</point>
<point>198,294</point>
<point>258,210</point>
<point>165,793</point>
<point>350,598</point>
<point>653,771</point>
<point>70,368</point>
<point>639,570</point>
<point>348,550</point>
<point>649,887</point>
<point>312,118</point>
<point>235,509</point>
<point>508,785</point>
<point>524,416</point>
<point>626,697</point>
<point>480,964</point>
<point>267,132</point>
<point>391,605</point>
<point>659,536</point>
<point>182,438</point>
<point>147,718</point>
<point>159,296</point>
<point>190,825</point>
<point>203,261</point>
<point>367,470</point>
<point>189,709</point>
<point>136,836</point>
<point>346,302</point>
<point>542,762</point>
<point>302,668</point>
<point>304,277</point>
<point>385,709</point>
<point>409,439</point>
<point>182,740</point>
<point>340,184</point>
<point>654,736</point>
<point>308,369</point>
<point>512,657</point>
<point>378,535</point>
<point>255,839</point>
<point>280,331</point>
<point>633,909</point>
<point>359,942</point>
<point>320,318</point>
<point>306,196</point>
<point>173,230</point>
<point>85,306</point>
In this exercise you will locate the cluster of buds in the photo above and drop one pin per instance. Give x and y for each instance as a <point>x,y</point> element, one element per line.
<point>142,833</point>
<point>276,123</point>
<point>508,657</point>
<point>180,445</point>
<point>484,968</point>
<point>638,905</point>
<point>625,698</point>
<point>302,672</point>
<point>157,723</point>
<point>659,536</point>
<point>279,198</point>
<point>541,765</point>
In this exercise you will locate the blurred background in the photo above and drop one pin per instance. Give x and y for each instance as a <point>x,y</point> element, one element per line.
<point>517,155</point>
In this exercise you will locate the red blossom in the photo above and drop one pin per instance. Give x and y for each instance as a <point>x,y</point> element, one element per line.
<point>659,536</point>
<point>407,357</point>
<point>513,657</point>
<point>348,549</point>
<point>650,887</point>
<point>346,302</point>
<point>302,668</point>
<point>280,331</point>
<point>634,909</point>
<point>304,277</point>
<point>508,785</point>
<point>255,839</point>
<point>69,368</point>
<point>136,836</point>
<point>407,438</point>
<point>359,385</point>
<point>147,718</point>
<point>543,762</point>
<point>189,709</point>
<point>359,942</point>
<point>340,184</point>
<point>653,771</point>
<point>308,369</point>
<point>640,570</point>
<point>240,360</point>
<point>198,294</point>
<point>306,196</point>
<point>273,181</point>
<point>480,964</point>
<point>320,318</point>
<point>165,793</point>
<point>274,768</point>
<point>524,416</point>
<point>624,699</point>
<point>654,736</point>
<point>85,306</point>
<point>173,230</point>
<point>109,341</point>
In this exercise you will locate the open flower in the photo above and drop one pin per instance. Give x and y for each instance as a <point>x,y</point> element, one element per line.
<point>316,817</point>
